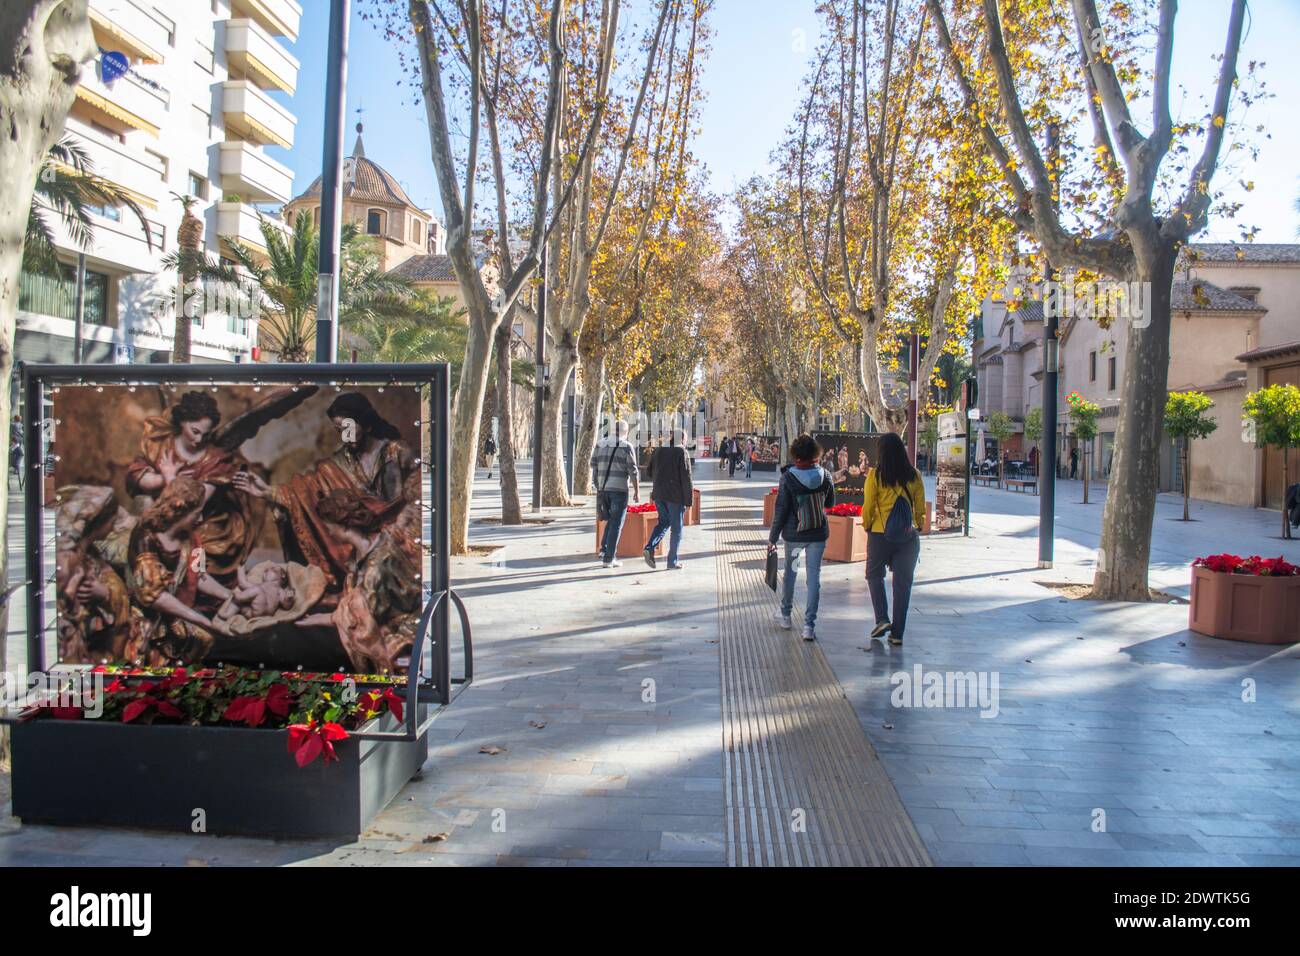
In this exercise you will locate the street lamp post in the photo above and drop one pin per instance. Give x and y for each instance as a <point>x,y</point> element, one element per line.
<point>1047,454</point>
<point>331,191</point>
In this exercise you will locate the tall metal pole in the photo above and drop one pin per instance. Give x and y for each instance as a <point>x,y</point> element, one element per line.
<point>79,313</point>
<point>970,403</point>
<point>331,190</point>
<point>539,383</point>
<point>913,390</point>
<point>1047,454</point>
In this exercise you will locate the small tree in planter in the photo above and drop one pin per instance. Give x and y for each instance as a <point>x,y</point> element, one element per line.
<point>1187,418</point>
<point>1001,427</point>
<point>928,434</point>
<point>1274,415</point>
<point>1083,419</point>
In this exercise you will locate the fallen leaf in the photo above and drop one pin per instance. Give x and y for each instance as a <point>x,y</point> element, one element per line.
<point>539,724</point>
<point>888,726</point>
<point>436,837</point>
<point>492,749</point>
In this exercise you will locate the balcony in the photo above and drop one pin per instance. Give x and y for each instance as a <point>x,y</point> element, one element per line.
<point>278,17</point>
<point>132,103</point>
<point>123,25</point>
<point>251,50</point>
<point>133,170</point>
<point>252,115</point>
<point>237,220</point>
<point>249,172</point>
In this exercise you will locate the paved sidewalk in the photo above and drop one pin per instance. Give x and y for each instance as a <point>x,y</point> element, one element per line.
<point>1120,737</point>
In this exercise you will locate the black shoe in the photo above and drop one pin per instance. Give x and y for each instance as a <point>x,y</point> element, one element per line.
<point>880,629</point>
<point>649,557</point>
<point>895,638</point>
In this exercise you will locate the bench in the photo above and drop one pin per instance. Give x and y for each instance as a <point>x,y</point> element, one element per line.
<point>1022,484</point>
<point>989,480</point>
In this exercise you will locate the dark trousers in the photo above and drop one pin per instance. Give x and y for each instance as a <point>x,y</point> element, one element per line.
<point>670,518</point>
<point>901,559</point>
<point>614,503</point>
<point>731,466</point>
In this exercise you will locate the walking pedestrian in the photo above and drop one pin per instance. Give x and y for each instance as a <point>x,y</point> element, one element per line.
<point>724,452</point>
<point>749,458</point>
<point>490,453</point>
<point>16,459</point>
<point>613,468</point>
<point>893,510</point>
<point>733,452</point>
<point>804,494</point>
<point>1074,462</point>
<point>672,494</point>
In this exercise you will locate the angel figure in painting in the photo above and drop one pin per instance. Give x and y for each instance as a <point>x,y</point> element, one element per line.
<point>372,462</point>
<point>189,441</point>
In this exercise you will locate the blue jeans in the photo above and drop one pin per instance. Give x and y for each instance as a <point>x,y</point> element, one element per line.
<point>749,467</point>
<point>616,504</point>
<point>813,551</point>
<point>670,516</point>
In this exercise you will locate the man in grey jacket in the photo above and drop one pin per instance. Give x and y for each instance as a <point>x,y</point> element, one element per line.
<point>613,467</point>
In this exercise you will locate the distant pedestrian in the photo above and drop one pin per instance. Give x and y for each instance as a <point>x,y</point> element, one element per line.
<point>749,458</point>
<point>733,452</point>
<point>805,492</point>
<point>1074,462</point>
<point>723,447</point>
<point>893,510</point>
<point>1033,460</point>
<point>613,468</point>
<point>16,459</point>
<point>490,453</point>
<point>672,494</point>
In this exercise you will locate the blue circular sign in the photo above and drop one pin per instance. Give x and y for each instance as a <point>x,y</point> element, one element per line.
<point>112,65</point>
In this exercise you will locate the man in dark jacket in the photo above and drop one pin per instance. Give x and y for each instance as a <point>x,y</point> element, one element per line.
<point>672,494</point>
<point>805,492</point>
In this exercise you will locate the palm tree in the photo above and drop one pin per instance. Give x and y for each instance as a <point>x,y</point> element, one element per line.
<point>287,278</point>
<point>189,241</point>
<point>68,189</point>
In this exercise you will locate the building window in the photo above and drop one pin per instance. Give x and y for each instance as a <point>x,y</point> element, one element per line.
<point>202,121</point>
<point>57,295</point>
<point>111,213</point>
<point>1110,373</point>
<point>374,223</point>
<point>415,231</point>
<point>1248,292</point>
<point>1092,366</point>
<point>198,186</point>
<point>157,236</point>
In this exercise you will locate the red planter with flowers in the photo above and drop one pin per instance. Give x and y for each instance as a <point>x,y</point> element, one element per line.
<point>638,525</point>
<point>1246,599</point>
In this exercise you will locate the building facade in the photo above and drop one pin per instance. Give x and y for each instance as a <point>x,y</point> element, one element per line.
<point>199,112</point>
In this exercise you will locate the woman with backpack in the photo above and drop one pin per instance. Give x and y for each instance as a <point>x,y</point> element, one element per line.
<point>805,492</point>
<point>893,509</point>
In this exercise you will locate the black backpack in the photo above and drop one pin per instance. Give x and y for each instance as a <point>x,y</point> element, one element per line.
<point>899,527</point>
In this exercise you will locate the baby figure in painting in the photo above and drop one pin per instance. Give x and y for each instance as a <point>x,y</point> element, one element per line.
<point>262,591</point>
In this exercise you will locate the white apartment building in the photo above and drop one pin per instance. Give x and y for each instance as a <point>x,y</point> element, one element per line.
<point>199,113</point>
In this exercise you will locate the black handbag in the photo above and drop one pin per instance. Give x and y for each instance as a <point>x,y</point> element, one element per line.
<point>771,569</point>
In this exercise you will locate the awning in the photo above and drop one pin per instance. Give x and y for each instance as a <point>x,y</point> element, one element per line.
<point>105,105</point>
<point>133,44</point>
<point>140,199</point>
<point>254,65</point>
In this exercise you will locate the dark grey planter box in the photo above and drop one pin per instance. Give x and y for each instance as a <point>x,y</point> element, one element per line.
<point>244,780</point>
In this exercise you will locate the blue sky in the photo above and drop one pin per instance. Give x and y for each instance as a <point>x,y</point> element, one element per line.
<point>752,81</point>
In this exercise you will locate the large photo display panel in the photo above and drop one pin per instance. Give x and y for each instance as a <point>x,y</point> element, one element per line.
<point>848,456</point>
<point>266,526</point>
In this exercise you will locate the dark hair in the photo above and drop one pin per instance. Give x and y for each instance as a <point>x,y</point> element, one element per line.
<point>805,448</point>
<point>195,406</point>
<point>357,407</point>
<point>895,469</point>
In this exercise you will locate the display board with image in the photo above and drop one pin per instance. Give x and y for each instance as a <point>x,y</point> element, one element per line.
<point>848,456</point>
<point>268,526</point>
<point>766,455</point>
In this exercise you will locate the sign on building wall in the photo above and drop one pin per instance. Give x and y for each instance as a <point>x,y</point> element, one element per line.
<point>271,527</point>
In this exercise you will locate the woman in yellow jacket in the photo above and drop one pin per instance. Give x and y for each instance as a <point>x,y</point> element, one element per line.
<point>894,477</point>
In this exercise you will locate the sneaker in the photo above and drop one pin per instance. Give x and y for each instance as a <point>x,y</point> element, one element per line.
<point>808,634</point>
<point>616,563</point>
<point>880,629</point>
<point>649,557</point>
<point>782,620</point>
<point>895,638</point>
<point>606,564</point>
<point>674,567</point>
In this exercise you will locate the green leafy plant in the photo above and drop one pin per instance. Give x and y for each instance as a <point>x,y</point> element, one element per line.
<point>1187,418</point>
<point>1001,427</point>
<point>1083,421</point>
<point>1274,415</point>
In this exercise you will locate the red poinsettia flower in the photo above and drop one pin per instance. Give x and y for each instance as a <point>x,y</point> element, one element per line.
<point>279,700</point>
<point>309,741</point>
<point>149,704</point>
<point>845,511</point>
<point>394,702</point>
<point>248,709</point>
